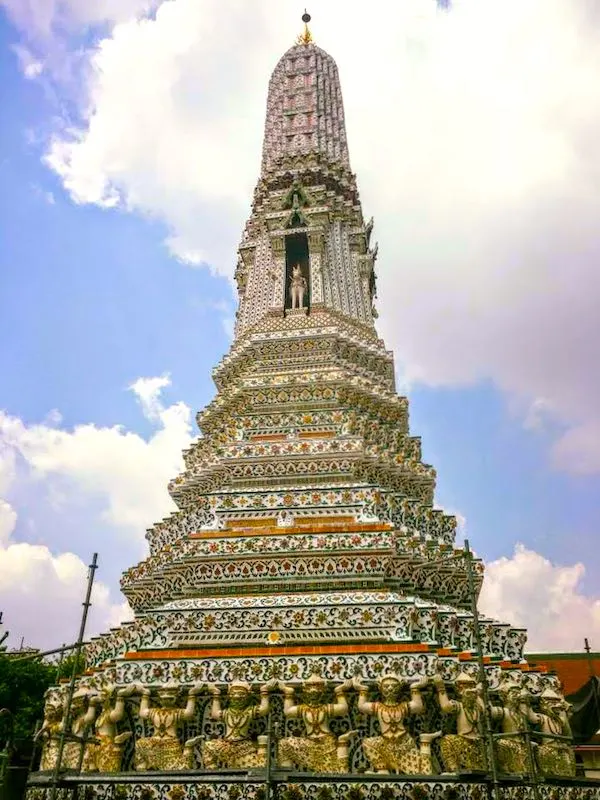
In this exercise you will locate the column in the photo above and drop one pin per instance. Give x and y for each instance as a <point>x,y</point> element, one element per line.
<point>315,251</point>
<point>277,273</point>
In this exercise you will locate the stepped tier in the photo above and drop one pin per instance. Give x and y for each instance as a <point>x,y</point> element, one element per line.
<point>307,619</point>
<point>298,558</point>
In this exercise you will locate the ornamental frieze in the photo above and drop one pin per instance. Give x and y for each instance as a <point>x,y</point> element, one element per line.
<point>291,572</point>
<point>306,618</point>
<point>406,514</point>
<point>310,788</point>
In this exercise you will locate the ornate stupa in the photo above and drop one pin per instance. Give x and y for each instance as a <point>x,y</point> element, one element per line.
<point>305,622</point>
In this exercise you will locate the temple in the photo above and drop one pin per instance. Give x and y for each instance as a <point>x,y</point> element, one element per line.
<point>305,621</point>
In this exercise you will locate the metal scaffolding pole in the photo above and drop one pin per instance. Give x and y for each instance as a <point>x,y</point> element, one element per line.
<point>43,654</point>
<point>489,736</point>
<point>66,725</point>
<point>590,661</point>
<point>269,763</point>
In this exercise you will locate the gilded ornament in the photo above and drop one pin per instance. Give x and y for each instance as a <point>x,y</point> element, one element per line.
<point>82,717</point>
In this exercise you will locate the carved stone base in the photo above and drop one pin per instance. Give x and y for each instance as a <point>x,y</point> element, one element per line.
<point>300,786</point>
<point>296,312</point>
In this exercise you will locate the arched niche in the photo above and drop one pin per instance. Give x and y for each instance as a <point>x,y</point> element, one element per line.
<point>296,252</point>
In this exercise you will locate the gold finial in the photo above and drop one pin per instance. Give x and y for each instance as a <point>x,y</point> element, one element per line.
<point>306,37</point>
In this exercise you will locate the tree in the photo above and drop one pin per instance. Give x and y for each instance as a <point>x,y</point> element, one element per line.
<point>23,683</point>
<point>22,687</point>
<point>64,668</point>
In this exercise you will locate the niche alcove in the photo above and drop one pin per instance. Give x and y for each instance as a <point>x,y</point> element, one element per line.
<point>296,252</point>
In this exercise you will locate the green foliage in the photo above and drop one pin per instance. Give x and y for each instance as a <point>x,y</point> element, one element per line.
<point>22,687</point>
<point>64,668</point>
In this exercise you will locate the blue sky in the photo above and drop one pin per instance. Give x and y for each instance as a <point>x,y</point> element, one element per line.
<point>93,299</point>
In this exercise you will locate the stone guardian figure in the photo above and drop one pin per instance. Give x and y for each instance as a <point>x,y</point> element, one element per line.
<point>49,733</point>
<point>236,750</point>
<point>105,752</point>
<point>554,757</point>
<point>163,751</point>
<point>465,749</point>
<point>513,752</point>
<point>395,750</point>
<point>82,717</point>
<point>319,750</point>
<point>297,287</point>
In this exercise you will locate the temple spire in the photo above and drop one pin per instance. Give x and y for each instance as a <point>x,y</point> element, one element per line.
<point>306,36</point>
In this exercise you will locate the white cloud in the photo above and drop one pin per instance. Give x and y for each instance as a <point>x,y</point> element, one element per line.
<point>8,520</point>
<point>126,473</point>
<point>147,391</point>
<point>30,66</point>
<point>41,596</point>
<point>46,18</point>
<point>483,182</point>
<point>7,467</point>
<point>41,593</point>
<point>579,448</point>
<point>537,415</point>
<point>108,479</point>
<point>200,115</point>
<point>530,591</point>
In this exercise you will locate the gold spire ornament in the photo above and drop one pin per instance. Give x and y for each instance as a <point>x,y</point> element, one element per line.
<point>306,36</point>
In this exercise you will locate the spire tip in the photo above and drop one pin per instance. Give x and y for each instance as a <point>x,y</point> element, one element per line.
<point>306,36</point>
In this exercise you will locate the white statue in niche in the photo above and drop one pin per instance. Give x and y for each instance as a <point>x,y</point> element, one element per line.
<point>297,287</point>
